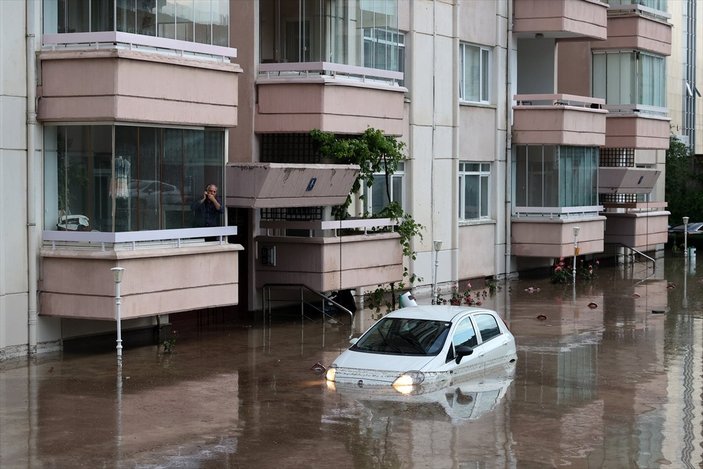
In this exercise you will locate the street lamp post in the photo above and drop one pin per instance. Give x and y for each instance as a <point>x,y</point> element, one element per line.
<point>117,273</point>
<point>437,247</point>
<point>685,237</point>
<point>576,252</point>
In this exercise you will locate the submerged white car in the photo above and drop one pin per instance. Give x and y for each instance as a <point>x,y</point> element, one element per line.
<point>426,345</point>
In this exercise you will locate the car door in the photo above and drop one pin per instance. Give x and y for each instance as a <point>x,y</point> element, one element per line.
<point>464,334</point>
<point>494,346</point>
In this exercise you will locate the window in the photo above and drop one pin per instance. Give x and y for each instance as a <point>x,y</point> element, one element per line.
<point>361,33</point>
<point>376,197</point>
<point>487,326</point>
<point>384,49</point>
<point>474,82</point>
<point>555,176</point>
<point>629,78</point>
<point>474,179</point>
<point>147,183</point>
<point>465,334</point>
<point>205,22</point>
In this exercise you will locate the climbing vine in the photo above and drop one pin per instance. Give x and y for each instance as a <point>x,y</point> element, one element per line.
<point>374,153</point>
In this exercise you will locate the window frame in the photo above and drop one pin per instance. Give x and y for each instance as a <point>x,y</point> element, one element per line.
<point>485,59</point>
<point>484,176</point>
<point>368,191</point>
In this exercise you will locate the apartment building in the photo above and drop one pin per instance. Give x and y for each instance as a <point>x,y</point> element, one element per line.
<point>534,129</point>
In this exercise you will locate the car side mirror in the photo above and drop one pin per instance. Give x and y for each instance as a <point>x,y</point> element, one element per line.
<point>354,340</point>
<point>462,351</point>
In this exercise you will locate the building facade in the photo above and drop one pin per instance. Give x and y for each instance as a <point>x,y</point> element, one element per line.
<point>533,129</point>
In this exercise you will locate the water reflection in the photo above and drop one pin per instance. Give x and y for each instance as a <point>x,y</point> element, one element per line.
<point>615,385</point>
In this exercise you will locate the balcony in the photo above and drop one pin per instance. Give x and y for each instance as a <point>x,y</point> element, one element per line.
<point>559,119</point>
<point>166,271</point>
<point>635,27</point>
<point>114,76</point>
<point>641,225</point>
<point>548,231</point>
<point>259,185</point>
<point>585,19</point>
<point>298,97</point>
<point>336,255</point>
<point>637,127</point>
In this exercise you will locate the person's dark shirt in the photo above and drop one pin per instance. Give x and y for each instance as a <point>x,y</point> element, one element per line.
<point>205,214</point>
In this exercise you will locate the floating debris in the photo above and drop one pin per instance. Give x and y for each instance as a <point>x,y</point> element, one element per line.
<point>531,290</point>
<point>541,317</point>
<point>635,295</point>
<point>318,368</point>
<point>592,305</point>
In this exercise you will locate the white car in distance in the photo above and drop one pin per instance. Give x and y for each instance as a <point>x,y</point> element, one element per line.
<point>421,346</point>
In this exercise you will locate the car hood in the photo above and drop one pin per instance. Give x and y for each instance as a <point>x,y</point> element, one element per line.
<point>382,362</point>
<point>377,368</point>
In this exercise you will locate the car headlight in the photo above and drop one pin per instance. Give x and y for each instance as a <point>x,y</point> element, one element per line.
<point>405,383</point>
<point>331,373</point>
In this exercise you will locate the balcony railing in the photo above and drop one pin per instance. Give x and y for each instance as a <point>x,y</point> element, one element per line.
<point>329,69</point>
<point>318,227</point>
<point>559,100</point>
<point>557,212</point>
<point>112,39</point>
<point>133,240</point>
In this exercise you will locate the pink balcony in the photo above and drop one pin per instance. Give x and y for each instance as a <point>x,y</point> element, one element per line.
<point>631,28</point>
<point>561,19</point>
<point>298,97</point>
<point>638,225</point>
<point>161,275</point>
<point>120,83</point>
<point>545,232</point>
<point>630,129</point>
<point>327,260</point>
<point>559,119</point>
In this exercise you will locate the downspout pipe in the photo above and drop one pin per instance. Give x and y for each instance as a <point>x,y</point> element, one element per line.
<point>455,245</point>
<point>31,179</point>
<point>508,207</point>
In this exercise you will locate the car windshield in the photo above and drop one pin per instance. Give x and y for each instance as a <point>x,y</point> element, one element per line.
<point>403,336</point>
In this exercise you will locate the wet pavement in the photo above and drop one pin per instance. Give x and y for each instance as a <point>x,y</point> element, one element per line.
<point>609,374</point>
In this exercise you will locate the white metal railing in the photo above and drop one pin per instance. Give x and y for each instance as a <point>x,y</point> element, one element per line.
<point>629,8</point>
<point>655,112</point>
<point>559,99</point>
<point>111,39</point>
<point>316,226</point>
<point>558,212</point>
<point>310,69</point>
<point>134,239</point>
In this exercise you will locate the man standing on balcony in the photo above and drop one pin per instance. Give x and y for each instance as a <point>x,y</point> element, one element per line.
<point>208,209</point>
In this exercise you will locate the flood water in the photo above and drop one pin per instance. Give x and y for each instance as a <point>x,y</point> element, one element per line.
<point>616,384</point>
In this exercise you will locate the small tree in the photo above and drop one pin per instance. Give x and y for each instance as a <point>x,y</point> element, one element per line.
<point>683,183</point>
<point>375,153</point>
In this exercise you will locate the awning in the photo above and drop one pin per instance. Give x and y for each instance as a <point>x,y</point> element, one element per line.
<point>626,180</point>
<point>273,185</point>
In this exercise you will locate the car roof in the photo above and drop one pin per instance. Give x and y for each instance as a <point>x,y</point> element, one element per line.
<point>435,312</point>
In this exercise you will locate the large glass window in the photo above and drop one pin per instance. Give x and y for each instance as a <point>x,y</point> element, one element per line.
<point>361,33</point>
<point>474,82</point>
<point>630,78</point>
<point>148,183</point>
<point>203,21</point>
<point>555,176</point>
<point>474,179</point>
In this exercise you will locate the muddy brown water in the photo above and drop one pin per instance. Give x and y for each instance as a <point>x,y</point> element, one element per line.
<point>608,375</point>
